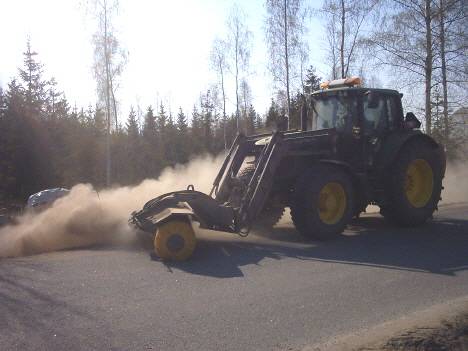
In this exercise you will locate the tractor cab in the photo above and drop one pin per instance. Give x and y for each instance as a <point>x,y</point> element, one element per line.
<point>362,117</point>
<point>350,109</point>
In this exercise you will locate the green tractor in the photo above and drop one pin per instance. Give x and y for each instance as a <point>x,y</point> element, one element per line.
<point>354,148</point>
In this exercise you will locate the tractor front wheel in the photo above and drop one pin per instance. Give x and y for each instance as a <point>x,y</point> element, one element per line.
<point>175,240</point>
<point>323,202</point>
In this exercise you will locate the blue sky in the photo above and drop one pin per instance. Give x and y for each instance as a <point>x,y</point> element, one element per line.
<point>168,43</point>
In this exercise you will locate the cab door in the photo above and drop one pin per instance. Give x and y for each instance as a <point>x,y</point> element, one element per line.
<point>381,116</point>
<point>348,126</point>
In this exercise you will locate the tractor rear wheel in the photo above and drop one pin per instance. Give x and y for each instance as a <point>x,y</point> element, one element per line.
<point>414,186</point>
<point>323,202</point>
<point>175,240</point>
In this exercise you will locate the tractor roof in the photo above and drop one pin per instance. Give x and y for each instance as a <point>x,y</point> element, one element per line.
<point>349,84</point>
<point>355,89</point>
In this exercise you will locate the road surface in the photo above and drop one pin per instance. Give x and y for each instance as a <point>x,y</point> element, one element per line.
<point>234,294</point>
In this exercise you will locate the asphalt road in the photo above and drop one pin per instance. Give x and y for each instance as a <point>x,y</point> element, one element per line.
<point>234,294</point>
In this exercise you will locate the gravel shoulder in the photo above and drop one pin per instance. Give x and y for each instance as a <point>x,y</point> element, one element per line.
<point>450,334</point>
<point>441,327</point>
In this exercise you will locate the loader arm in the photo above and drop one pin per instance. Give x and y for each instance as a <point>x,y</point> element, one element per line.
<point>217,213</point>
<point>259,187</point>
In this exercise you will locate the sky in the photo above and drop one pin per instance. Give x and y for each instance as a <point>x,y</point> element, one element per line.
<point>168,45</point>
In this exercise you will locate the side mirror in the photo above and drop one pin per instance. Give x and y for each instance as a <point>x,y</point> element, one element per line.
<point>411,121</point>
<point>372,99</point>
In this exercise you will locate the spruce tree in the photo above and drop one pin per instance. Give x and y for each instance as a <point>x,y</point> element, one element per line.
<point>251,121</point>
<point>149,124</point>
<point>132,164</point>
<point>182,125</point>
<point>33,85</point>
<point>183,141</point>
<point>27,106</point>
<point>162,121</point>
<point>171,141</point>
<point>152,155</point>
<point>6,146</point>
<point>207,121</point>
<point>273,116</point>
<point>132,125</point>
<point>312,81</point>
<point>196,131</point>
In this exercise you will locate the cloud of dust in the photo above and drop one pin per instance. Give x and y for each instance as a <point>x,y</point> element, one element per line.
<point>455,183</point>
<point>83,218</point>
<point>455,186</point>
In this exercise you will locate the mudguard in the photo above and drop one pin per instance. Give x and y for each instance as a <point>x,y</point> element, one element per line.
<point>187,203</point>
<point>394,142</point>
<point>184,211</point>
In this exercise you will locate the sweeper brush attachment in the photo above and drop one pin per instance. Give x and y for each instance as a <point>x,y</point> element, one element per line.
<point>235,204</point>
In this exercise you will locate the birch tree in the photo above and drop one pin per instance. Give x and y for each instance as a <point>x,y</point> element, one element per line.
<point>345,21</point>
<point>239,38</point>
<point>220,65</point>
<point>284,31</point>
<point>452,47</point>
<point>404,42</point>
<point>109,61</point>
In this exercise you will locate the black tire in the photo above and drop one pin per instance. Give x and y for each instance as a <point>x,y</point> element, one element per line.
<point>268,218</point>
<point>311,220</point>
<point>271,213</point>
<point>410,198</point>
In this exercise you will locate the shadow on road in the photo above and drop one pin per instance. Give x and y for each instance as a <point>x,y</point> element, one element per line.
<point>27,310</point>
<point>439,247</point>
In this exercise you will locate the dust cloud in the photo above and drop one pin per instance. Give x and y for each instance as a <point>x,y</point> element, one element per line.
<point>455,186</point>
<point>85,218</point>
<point>455,183</point>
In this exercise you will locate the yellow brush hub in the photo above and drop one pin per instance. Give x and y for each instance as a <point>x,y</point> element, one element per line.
<point>332,203</point>
<point>419,183</point>
<point>175,240</point>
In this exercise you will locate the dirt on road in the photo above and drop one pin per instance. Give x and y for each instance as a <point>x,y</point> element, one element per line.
<point>442,327</point>
<point>450,335</point>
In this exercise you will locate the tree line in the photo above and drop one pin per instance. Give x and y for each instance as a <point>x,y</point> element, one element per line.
<point>45,142</point>
<point>420,46</point>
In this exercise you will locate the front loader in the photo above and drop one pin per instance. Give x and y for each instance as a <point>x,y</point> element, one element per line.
<point>353,149</point>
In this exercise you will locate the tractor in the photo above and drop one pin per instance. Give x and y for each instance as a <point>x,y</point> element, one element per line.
<point>354,148</point>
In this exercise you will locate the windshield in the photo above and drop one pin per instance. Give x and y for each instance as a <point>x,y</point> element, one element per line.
<point>332,111</point>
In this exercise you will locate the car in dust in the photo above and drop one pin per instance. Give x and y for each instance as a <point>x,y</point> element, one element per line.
<point>45,198</point>
<point>5,218</point>
<point>9,212</point>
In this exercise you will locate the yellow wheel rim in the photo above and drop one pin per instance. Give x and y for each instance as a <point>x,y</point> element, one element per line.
<point>419,183</point>
<point>175,240</point>
<point>332,203</point>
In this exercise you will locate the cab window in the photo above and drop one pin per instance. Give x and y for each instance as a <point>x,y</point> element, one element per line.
<point>333,111</point>
<point>375,117</point>
<point>393,109</point>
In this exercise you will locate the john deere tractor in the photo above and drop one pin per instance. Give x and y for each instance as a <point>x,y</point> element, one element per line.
<point>354,148</point>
